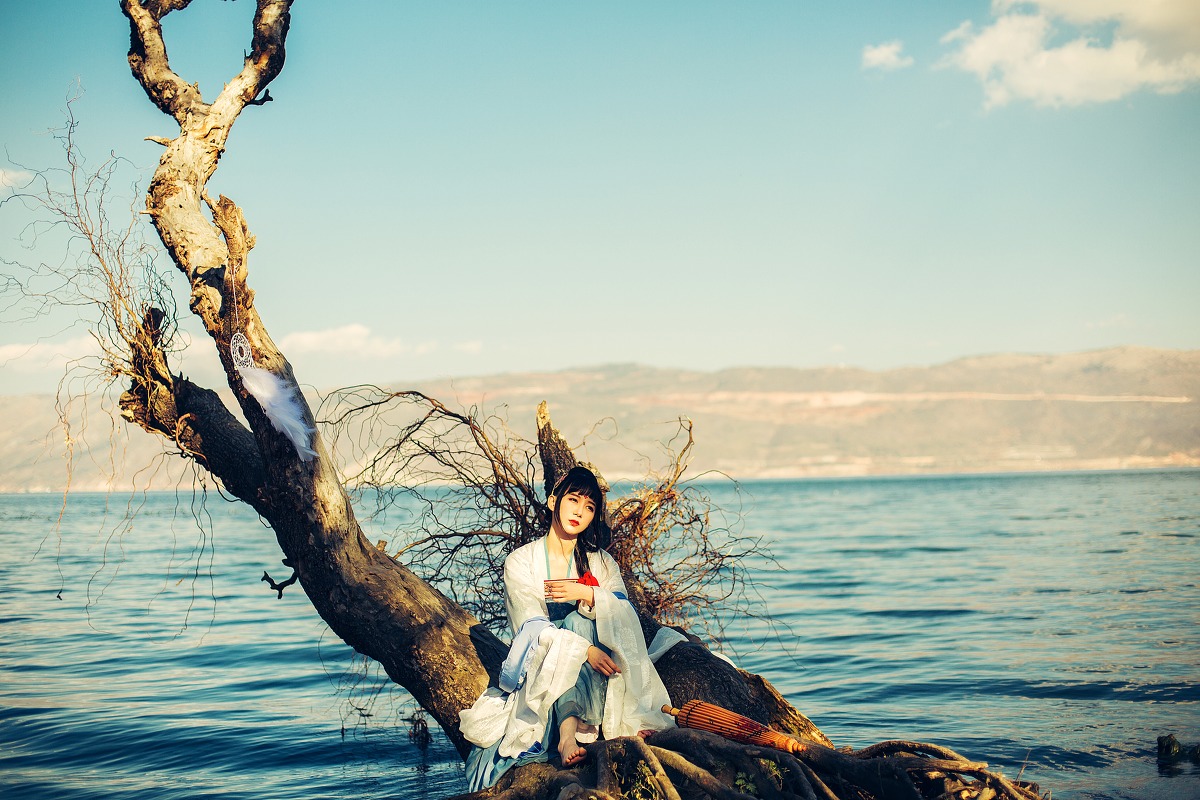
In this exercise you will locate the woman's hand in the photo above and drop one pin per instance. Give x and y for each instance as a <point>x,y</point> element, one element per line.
<point>601,662</point>
<point>568,591</point>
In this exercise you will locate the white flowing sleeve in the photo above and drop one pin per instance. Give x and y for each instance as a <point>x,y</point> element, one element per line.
<point>518,720</point>
<point>634,696</point>
<point>604,568</point>
<point>524,595</point>
<point>559,656</point>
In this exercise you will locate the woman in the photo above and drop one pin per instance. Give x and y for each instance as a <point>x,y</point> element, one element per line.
<point>578,664</point>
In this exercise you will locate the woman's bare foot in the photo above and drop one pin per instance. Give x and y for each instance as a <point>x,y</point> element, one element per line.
<point>569,751</point>
<point>646,733</point>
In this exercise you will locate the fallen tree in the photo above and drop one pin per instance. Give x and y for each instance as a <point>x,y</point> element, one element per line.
<point>276,458</point>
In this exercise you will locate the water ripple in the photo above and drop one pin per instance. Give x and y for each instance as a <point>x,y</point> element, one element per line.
<point>1043,623</point>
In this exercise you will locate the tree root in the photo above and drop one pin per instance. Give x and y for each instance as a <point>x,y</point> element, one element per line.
<point>685,764</point>
<point>700,777</point>
<point>657,775</point>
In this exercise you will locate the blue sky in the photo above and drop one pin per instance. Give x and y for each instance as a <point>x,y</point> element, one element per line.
<point>476,187</point>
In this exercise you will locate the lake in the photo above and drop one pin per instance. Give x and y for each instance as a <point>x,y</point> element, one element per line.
<point>1044,623</point>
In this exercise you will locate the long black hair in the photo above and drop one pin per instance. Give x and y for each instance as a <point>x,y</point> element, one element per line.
<point>597,536</point>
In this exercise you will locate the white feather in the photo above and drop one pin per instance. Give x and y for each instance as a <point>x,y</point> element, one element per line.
<point>281,403</point>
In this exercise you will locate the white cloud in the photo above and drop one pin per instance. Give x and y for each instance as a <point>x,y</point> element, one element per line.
<point>474,347</point>
<point>12,178</point>
<point>1170,28</point>
<point>351,341</point>
<point>1071,52</point>
<point>46,356</point>
<point>886,56</point>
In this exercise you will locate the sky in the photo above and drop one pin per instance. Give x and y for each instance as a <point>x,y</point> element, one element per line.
<point>467,188</point>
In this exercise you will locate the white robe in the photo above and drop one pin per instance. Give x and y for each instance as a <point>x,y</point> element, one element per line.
<point>633,698</point>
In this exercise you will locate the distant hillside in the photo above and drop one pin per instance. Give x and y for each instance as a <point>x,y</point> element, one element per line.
<point>1121,408</point>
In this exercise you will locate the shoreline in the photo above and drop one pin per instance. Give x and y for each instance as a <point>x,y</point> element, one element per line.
<point>715,475</point>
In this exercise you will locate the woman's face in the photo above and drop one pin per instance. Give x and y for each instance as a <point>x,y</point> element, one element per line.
<point>575,512</point>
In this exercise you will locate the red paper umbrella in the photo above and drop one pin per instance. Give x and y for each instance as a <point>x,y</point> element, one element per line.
<point>707,717</point>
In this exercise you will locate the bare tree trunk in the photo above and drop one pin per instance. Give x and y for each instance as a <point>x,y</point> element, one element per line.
<point>426,643</point>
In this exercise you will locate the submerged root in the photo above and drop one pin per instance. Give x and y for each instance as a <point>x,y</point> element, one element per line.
<point>683,764</point>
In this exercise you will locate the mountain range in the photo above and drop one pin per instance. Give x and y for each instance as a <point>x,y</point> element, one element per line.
<point>1120,408</point>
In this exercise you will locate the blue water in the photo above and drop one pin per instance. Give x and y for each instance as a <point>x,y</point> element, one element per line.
<point>1046,624</point>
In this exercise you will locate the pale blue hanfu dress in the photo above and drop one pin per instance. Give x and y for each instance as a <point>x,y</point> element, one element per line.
<point>584,700</point>
<point>546,677</point>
